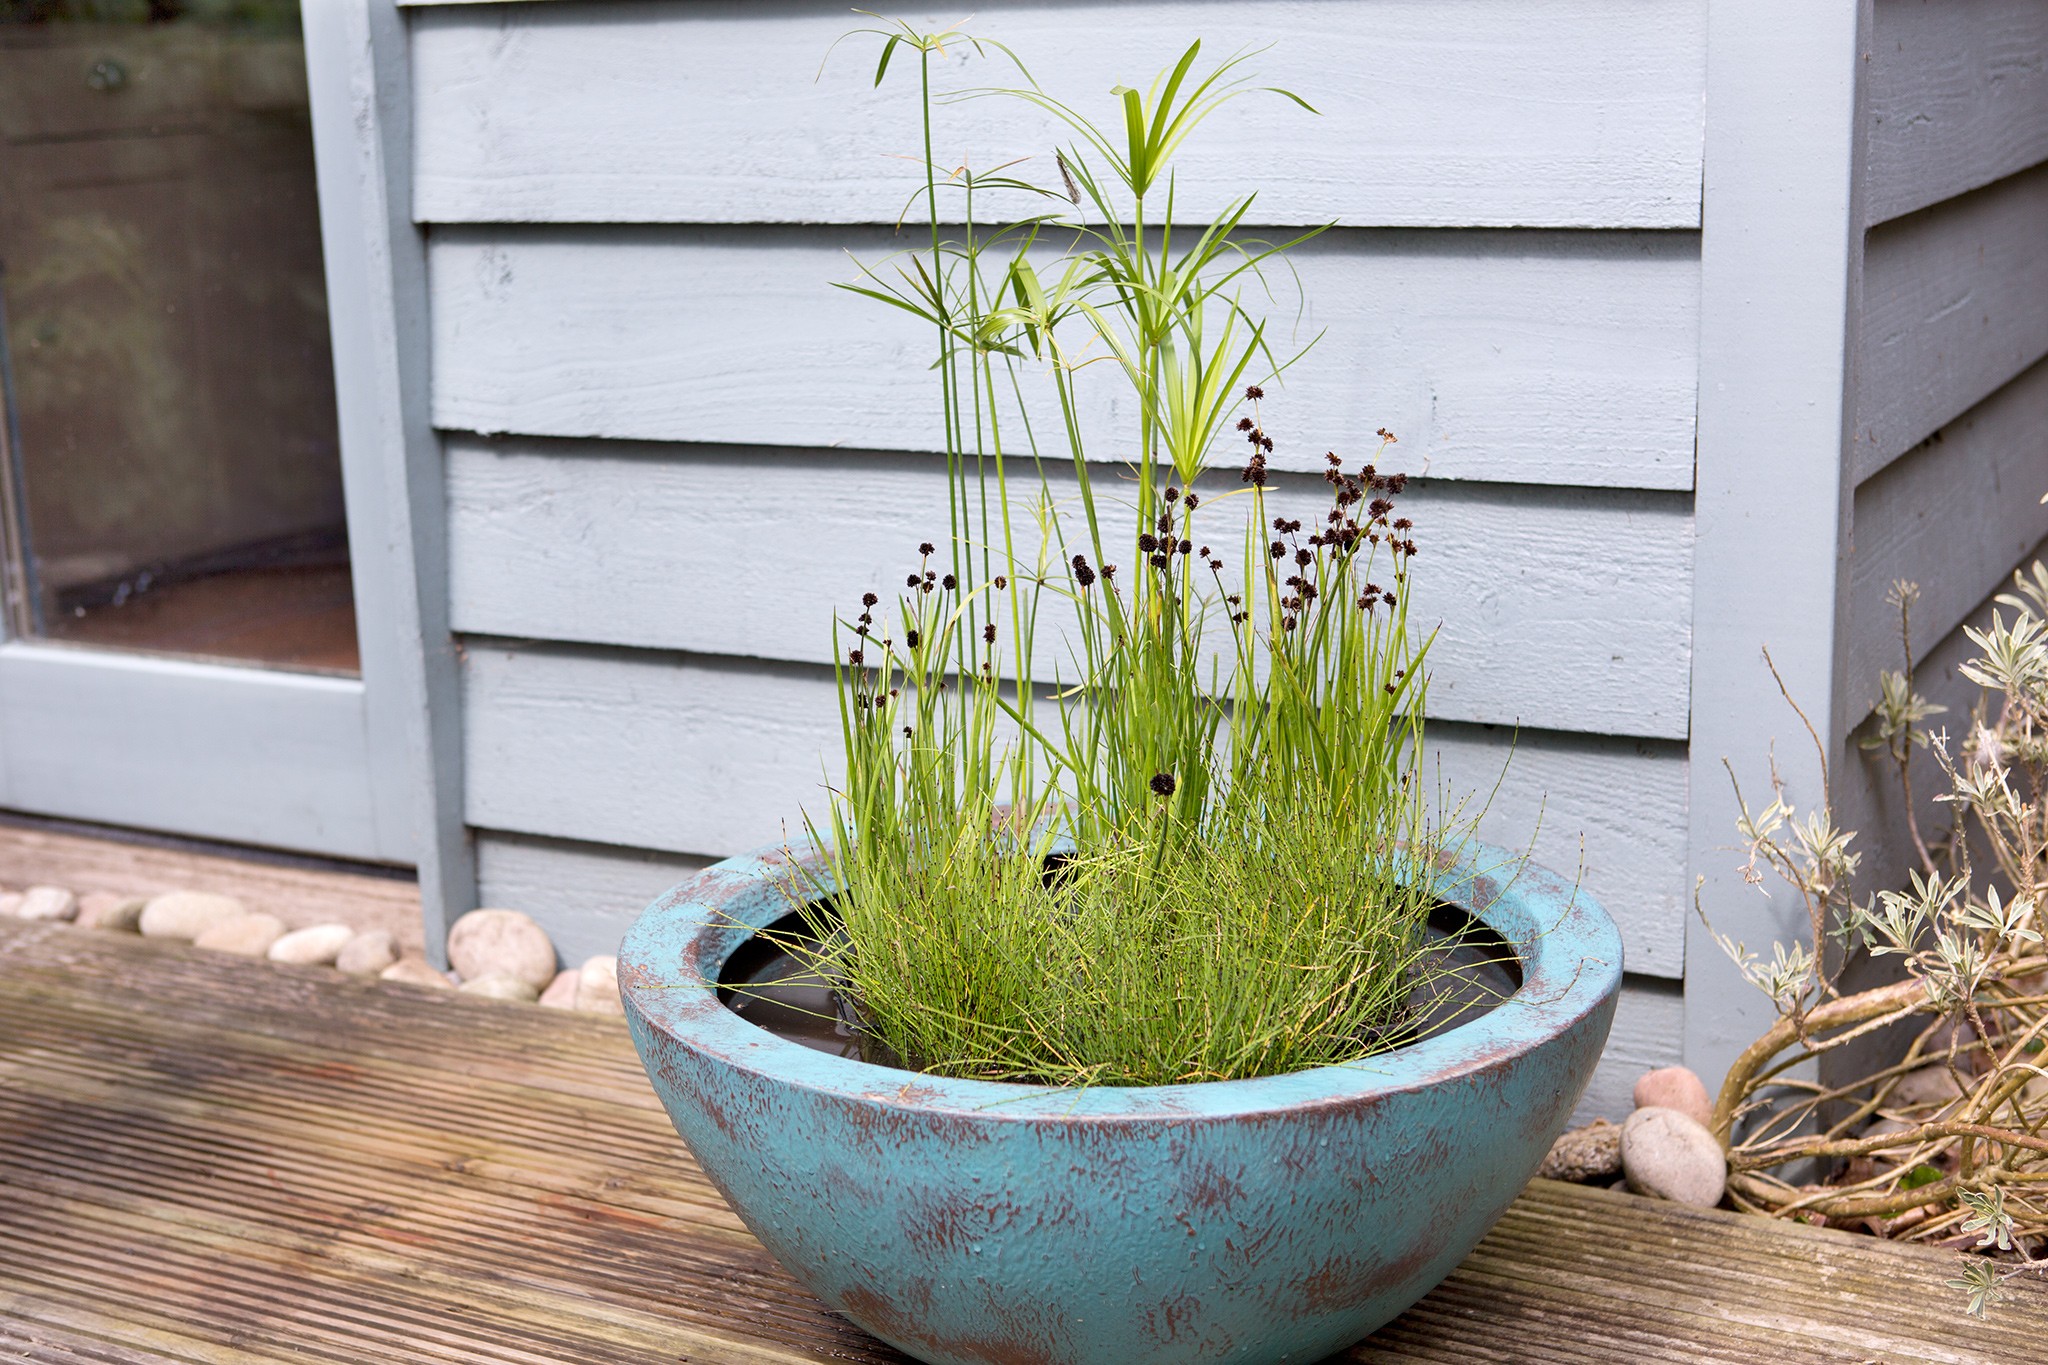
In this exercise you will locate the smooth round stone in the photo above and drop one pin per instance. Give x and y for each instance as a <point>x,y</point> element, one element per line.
<point>47,903</point>
<point>597,987</point>
<point>416,971</point>
<point>1928,1085</point>
<point>368,953</point>
<point>250,936</point>
<point>314,947</point>
<point>561,992</point>
<point>501,943</point>
<point>115,911</point>
<point>499,986</point>
<point>1584,1154</point>
<point>1676,1087</point>
<point>187,914</point>
<point>1666,1155</point>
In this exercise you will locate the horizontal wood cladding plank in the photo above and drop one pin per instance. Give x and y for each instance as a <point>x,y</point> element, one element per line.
<point>688,754</point>
<point>1560,358</point>
<point>1648,1032</point>
<point>1954,515</point>
<point>1957,95</point>
<point>585,895</point>
<point>1577,113</point>
<point>1955,303</point>
<point>253,756</point>
<point>695,548</point>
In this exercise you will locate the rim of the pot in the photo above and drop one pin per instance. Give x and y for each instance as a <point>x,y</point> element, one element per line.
<point>1569,950</point>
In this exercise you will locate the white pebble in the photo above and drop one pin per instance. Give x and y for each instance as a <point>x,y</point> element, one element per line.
<point>249,936</point>
<point>48,903</point>
<point>501,943</point>
<point>187,914</point>
<point>314,947</point>
<point>1667,1155</point>
<point>368,953</point>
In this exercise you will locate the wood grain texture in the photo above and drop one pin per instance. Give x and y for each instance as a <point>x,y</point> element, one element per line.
<point>1771,510</point>
<point>1955,515</point>
<point>697,755</point>
<point>222,1162</point>
<point>1583,113</point>
<point>585,895</point>
<point>1957,97</point>
<point>1648,1032</point>
<point>247,755</point>
<point>687,548</point>
<point>1515,357</point>
<point>1955,303</point>
<point>358,62</point>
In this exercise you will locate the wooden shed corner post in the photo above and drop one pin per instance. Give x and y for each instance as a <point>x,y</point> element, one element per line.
<point>357,63</point>
<point>1780,257</point>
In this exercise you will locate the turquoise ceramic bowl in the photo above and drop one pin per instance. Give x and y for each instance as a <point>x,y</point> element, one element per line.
<point>1277,1219</point>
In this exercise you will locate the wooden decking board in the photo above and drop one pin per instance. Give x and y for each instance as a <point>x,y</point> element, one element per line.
<point>300,896</point>
<point>215,1162</point>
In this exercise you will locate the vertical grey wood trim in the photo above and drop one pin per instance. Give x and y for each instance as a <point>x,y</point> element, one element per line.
<point>1779,265</point>
<point>391,467</point>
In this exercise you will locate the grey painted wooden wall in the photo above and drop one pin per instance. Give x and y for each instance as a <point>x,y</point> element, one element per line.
<point>632,212</point>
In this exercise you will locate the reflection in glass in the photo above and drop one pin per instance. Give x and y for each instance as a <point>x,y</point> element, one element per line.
<point>174,476</point>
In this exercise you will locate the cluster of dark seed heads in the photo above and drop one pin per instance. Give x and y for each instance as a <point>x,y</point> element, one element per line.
<point>1163,784</point>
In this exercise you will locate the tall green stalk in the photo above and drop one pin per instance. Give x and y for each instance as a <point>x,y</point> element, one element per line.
<point>1198,852</point>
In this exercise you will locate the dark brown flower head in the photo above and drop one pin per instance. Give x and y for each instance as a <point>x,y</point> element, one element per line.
<point>1254,393</point>
<point>1388,436</point>
<point>1303,558</point>
<point>1172,493</point>
<point>1109,571</point>
<point>1336,460</point>
<point>911,581</point>
<point>1083,575</point>
<point>1147,543</point>
<point>910,637</point>
<point>854,657</point>
<point>1397,483</point>
<point>1244,424</point>
<point>1266,444</point>
<point>1001,582</point>
<point>1402,523</point>
<point>1408,547</point>
<point>1278,550</point>
<point>1163,784</point>
<point>1186,546</point>
<point>927,548</point>
<point>1158,561</point>
<point>1194,501</point>
<point>949,582</point>
<point>1165,523</point>
<point>868,599</point>
<point>988,633</point>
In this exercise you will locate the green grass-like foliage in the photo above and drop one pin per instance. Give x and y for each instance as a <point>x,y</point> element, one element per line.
<point>1192,852</point>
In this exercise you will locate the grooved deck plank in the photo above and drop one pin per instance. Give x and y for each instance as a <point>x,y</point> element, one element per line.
<point>216,1162</point>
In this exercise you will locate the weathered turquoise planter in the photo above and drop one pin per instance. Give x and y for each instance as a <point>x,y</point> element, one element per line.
<point>1266,1220</point>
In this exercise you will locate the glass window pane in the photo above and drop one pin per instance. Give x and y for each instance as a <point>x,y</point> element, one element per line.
<point>175,471</point>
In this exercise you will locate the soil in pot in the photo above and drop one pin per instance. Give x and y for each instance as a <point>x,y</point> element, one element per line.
<point>1466,971</point>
